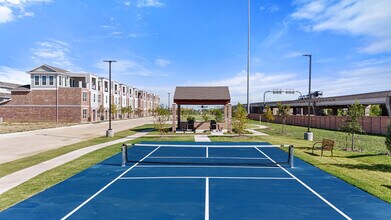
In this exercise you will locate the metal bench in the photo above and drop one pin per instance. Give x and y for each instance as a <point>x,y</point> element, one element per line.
<point>327,144</point>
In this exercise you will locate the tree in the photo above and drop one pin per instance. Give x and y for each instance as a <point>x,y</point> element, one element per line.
<point>283,112</point>
<point>205,116</point>
<point>161,116</point>
<point>114,110</point>
<point>268,114</point>
<point>388,138</point>
<point>239,119</point>
<point>101,110</point>
<point>375,110</point>
<point>129,111</point>
<point>123,111</point>
<point>352,124</point>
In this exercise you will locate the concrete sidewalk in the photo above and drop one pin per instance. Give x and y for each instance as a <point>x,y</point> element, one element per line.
<point>12,180</point>
<point>201,138</point>
<point>18,145</point>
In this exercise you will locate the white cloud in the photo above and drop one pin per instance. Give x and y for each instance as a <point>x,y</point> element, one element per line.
<point>355,17</point>
<point>5,14</point>
<point>144,3</point>
<point>293,54</point>
<point>9,9</point>
<point>277,34</point>
<point>162,62</point>
<point>137,66</point>
<point>12,75</point>
<point>53,52</point>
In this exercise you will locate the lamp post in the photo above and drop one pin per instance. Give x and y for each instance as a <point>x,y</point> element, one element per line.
<point>248,57</point>
<point>309,135</point>
<point>109,132</point>
<point>169,98</point>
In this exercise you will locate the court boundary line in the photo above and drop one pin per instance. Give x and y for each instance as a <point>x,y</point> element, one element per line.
<point>206,177</point>
<point>207,198</point>
<point>210,145</point>
<point>204,166</point>
<point>307,187</point>
<point>107,185</point>
<point>234,158</point>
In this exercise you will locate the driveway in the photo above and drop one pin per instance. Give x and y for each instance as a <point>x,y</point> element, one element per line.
<point>17,145</point>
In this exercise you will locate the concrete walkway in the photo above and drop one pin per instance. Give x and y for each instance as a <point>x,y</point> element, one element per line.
<point>257,133</point>
<point>201,138</point>
<point>18,145</point>
<point>12,180</point>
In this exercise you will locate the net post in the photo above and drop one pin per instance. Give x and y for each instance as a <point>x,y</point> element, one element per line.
<point>291,155</point>
<point>124,155</point>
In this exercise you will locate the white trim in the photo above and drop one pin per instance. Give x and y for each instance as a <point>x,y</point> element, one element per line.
<point>306,186</point>
<point>207,151</point>
<point>105,187</point>
<point>211,146</point>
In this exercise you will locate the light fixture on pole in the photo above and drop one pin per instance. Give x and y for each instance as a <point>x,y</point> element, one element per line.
<point>309,135</point>
<point>248,57</point>
<point>169,99</point>
<point>109,132</point>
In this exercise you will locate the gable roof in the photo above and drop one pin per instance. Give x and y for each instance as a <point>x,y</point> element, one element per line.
<point>46,68</point>
<point>202,95</point>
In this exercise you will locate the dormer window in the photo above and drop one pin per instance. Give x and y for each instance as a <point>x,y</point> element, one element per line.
<point>36,80</point>
<point>44,82</point>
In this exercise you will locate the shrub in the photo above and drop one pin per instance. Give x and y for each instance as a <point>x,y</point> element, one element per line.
<point>283,111</point>
<point>239,119</point>
<point>268,114</point>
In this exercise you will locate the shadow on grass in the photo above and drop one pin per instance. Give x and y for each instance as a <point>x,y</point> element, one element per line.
<point>377,167</point>
<point>387,186</point>
<point>142,129</point>
<point>364,155</point>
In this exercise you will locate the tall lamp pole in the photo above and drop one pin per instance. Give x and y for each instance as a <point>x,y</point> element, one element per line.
<point>169,98</point>
<point>309,135</point>
<point>248,58</point>
<point>109,132</point>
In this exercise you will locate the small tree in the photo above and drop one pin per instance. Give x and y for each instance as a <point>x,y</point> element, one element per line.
<point>101,110</point>
<point>283,112</point>
<point>239,119</point>
<point>388,138</point>
<point>352,124</point>
<point>161,116</point>
<point>268,114</point>
<point>205,116</point>
<point>129,111</point>
<point>375,110</point>
<point>114,110</point>
<point>123,110</point>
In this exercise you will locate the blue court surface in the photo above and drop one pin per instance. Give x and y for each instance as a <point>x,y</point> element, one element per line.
<point>201,181</point>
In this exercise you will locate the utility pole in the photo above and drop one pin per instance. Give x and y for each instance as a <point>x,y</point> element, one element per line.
<point>248,58</point>
<point>309,135</point>
<point>109,132</point>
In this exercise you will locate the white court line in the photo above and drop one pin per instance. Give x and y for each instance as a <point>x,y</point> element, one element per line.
<point>204,166</point>
<point>236,158</point>
<point>207,152</point>
<point>207,198</point>
<point>203,177</point>
<point>306,186</point>
<point>210,146</point>
<point>101,190</point>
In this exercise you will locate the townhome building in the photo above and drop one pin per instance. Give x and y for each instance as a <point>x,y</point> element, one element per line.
<point>58,95</point>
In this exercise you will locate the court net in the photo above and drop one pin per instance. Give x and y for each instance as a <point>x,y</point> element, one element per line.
<point>210,155</point>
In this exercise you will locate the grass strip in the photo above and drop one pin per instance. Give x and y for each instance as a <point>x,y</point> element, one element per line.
<point>25,162</point>
<point>51,177</point>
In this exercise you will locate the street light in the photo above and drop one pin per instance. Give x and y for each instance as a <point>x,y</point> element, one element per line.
<point>248,57</point>
<point>109,132</point>
<point>168,103</point>
<point>309,135</point>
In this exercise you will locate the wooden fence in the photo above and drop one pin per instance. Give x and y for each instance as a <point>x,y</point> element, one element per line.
<point>371,125</point>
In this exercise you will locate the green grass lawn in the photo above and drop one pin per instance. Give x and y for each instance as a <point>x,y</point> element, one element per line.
<point>63,172</point>
<point>363,142</point>
<point>370,171</point>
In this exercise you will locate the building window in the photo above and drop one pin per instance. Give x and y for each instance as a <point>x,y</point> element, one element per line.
<point>84,113</point>
<point>36,80</point>
<point>84,96</point>
<point>51,80</point>
<point>44,82</point>
<point>60,80</point>
<point>94,98</point>
<point>106,86</point>
<point>106,99</point>
<point>99,98</point>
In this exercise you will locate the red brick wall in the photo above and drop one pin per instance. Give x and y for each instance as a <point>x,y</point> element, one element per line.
<point>32,106</point>
<point>371,125</point>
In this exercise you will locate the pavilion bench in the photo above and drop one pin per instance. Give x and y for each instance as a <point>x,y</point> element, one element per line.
<point>327,144</point>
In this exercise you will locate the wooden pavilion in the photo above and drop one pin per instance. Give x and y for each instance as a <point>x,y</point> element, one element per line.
<point>201,95</point>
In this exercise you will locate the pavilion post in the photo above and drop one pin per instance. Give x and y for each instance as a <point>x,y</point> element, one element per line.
<point>225,116</point>
<point>179,116</point>
<point>173,117</point>
<point>229,117</point>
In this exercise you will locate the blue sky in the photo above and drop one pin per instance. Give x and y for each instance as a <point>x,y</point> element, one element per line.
<point>160,44</point>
